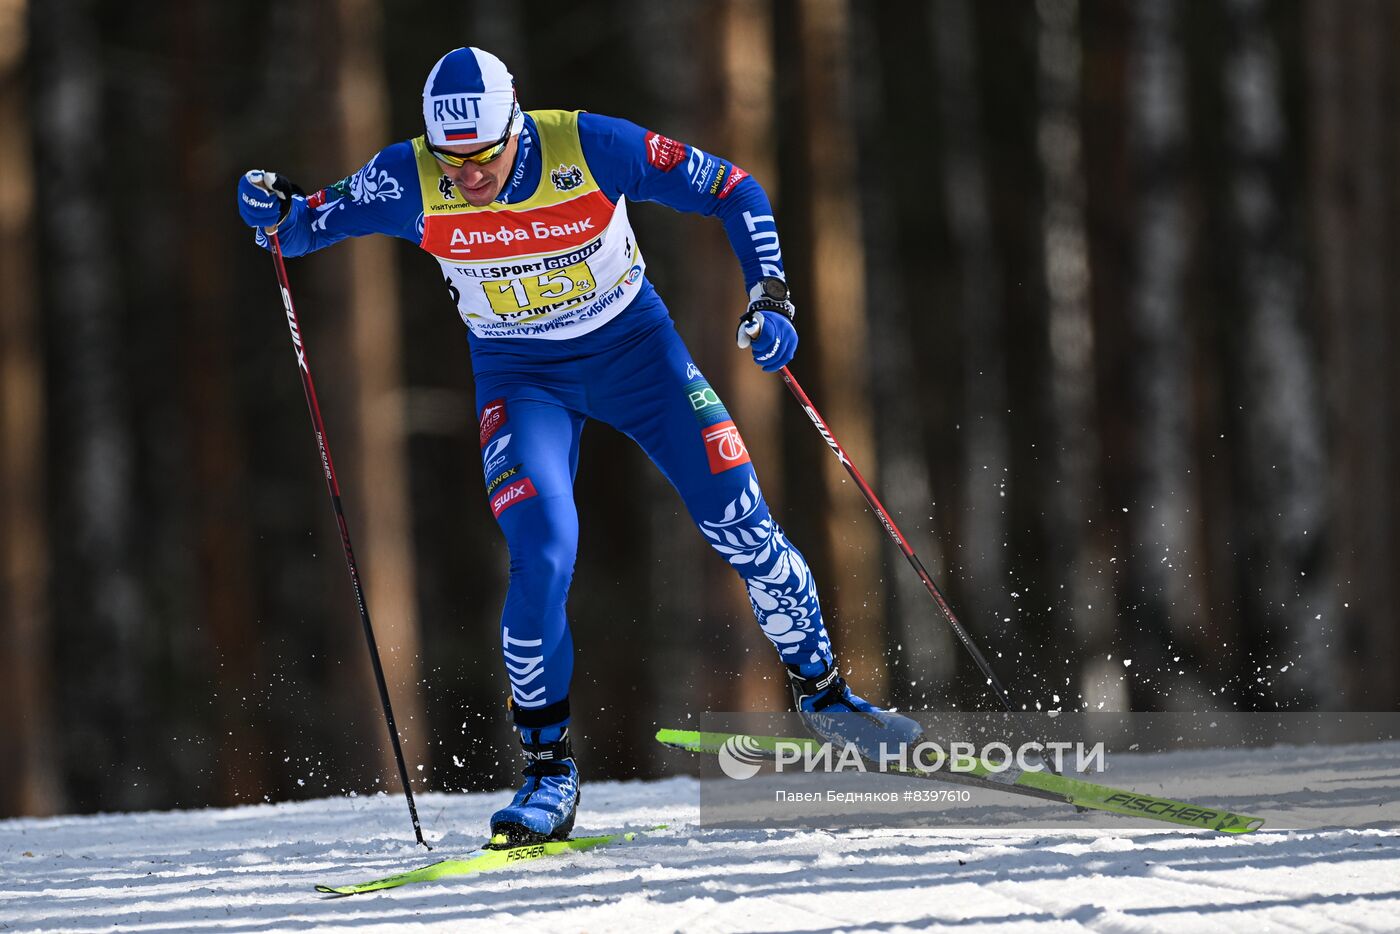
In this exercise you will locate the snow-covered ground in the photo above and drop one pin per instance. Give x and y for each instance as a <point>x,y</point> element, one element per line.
<point>252,869</point>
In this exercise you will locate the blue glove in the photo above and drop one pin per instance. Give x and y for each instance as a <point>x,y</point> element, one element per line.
<point>770,336</point>
<point>766,328</point>
<point>264,198</point>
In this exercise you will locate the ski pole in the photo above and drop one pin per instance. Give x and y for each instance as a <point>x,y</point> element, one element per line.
<point>897,536</point>
<point>333,486</point>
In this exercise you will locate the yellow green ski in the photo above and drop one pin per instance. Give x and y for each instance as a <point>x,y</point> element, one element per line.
<point>495,856</point>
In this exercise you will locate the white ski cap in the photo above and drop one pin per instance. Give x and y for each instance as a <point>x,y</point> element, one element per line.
<point>467,99</point>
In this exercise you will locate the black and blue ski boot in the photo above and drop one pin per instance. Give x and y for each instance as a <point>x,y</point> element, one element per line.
<point>837,715</point>
<point>545,806</point>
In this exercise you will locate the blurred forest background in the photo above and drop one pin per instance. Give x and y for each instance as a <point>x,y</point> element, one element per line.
<point>1098,295</point>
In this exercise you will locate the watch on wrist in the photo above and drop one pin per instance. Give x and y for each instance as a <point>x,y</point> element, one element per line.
<point>774,288</point>
<point>771,294</point>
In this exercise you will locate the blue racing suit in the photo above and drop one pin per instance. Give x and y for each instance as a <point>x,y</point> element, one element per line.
<point>564,327</point>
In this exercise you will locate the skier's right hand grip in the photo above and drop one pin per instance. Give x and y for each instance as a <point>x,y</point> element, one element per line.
<point>264,198</point>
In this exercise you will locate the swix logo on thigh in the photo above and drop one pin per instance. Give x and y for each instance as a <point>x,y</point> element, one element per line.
<point>724,447</point>
<point>520,490</point>
<point>492,418</point>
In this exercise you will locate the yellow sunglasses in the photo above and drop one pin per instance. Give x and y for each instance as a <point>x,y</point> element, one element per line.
<point>482,157</point>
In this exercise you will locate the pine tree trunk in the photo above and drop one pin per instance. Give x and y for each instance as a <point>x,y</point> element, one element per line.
<point>29,783</point>
<point>825,260</point>
<point>892,70</point>
<point>1352,86</point>
<point>1160,600</point>
<point>1077,551</point>
<point>986,442</point>
<point>379,482</point>
<point>1285,458</point>
<point>736,107</point>
<point>223,570</point>
<point>100,616</point>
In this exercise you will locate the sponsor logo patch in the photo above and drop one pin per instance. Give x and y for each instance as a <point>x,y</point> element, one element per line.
<point>663,152</point>
<point>513,493</point>
<point>702,169</point>
<point>566,178</point>
<point>493,451</point>
<point>501,478</point>
<point>705,403</point>
<point>736,175</point>
<point>493,416</point>
<point>763,232</point>
<point>719,177</point>
<point>456,108</point>
<point>724,447</point>
<point>508,235</point>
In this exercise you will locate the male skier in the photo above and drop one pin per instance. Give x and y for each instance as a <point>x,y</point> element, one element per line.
<point>526,212</point>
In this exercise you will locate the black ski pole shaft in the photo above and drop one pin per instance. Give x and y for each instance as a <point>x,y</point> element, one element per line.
<point>897,536</point>
<point>333,487</point>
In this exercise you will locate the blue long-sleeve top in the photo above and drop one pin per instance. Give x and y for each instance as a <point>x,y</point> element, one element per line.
<point>626,161</point>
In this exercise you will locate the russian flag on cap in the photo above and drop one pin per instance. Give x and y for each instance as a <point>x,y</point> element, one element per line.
<point>469,95</point>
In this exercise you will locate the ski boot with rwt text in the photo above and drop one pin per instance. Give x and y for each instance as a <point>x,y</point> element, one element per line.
<point>545,806</point>
<point>836,714</point>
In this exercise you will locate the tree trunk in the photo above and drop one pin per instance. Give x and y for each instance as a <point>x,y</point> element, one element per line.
<point>100,616</point>
<point>1352,86</point>
<point>986,441</point>
<point>739,127</point>
<point>379,481</point>
<point>1160,600</point>
<point>825,260</point>
<point>29,784</point>
<point>224,581</point>
<point>893,73</point>
<point>1288,519</point>
<point>1077,548</point>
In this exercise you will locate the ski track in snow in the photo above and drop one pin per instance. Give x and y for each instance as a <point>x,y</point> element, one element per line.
<point>252,869</point>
